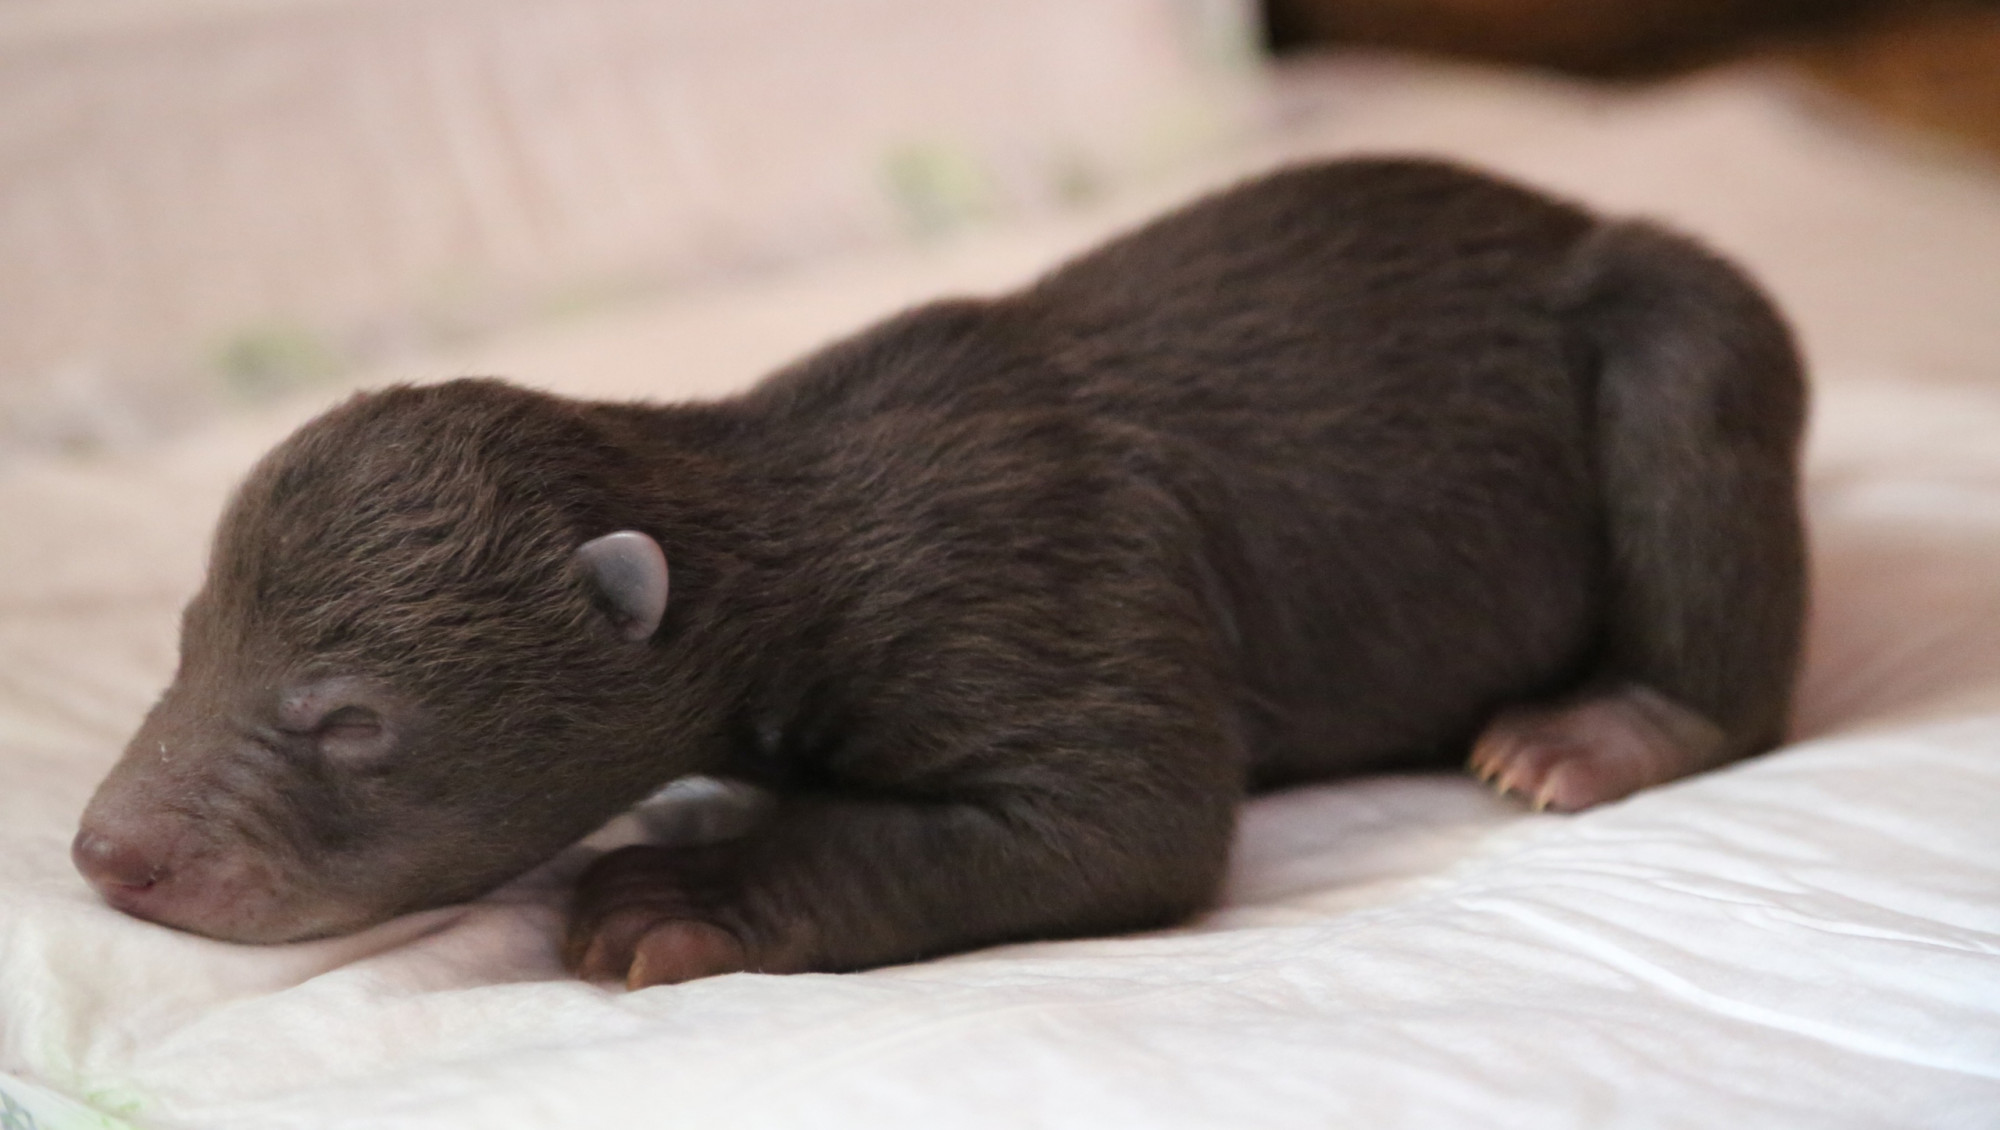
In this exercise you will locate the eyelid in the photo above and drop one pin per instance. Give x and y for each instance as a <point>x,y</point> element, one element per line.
<point>350,716</point>
<point>315,708</point>
<point>301,709</point>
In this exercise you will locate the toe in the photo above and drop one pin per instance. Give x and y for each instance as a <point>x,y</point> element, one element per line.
<point>675,951</point>
<point>602,950</point>
<point>1592,750</point>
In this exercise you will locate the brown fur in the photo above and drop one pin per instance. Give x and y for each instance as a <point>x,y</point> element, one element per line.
<point>1007,601</point>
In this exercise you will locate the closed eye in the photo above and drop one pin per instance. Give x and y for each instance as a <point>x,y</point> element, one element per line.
<point>340,718</point>
<point>350,724</point>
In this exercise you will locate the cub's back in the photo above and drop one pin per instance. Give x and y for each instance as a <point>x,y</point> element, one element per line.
<point>1354,378</point>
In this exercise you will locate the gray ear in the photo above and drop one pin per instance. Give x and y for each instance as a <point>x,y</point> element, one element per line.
<point>630,572</point>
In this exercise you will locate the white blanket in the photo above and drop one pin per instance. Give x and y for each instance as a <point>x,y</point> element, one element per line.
<point>1809,939</point>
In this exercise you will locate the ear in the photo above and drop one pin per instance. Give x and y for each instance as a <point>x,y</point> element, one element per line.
<point>629,571</point>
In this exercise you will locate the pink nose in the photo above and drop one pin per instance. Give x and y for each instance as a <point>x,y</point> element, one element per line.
<point>113,868</point>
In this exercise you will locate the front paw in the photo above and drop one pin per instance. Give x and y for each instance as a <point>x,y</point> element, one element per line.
<point>648,915</point>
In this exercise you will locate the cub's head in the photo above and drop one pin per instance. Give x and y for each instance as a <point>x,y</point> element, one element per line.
<point>416,669</point>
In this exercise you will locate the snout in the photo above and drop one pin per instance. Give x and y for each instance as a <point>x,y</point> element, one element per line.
<point>123,871</point>
<point>167,866</point>
<point>148,865</point>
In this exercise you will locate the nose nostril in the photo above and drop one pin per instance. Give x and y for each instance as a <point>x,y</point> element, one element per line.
<point>109,864</point>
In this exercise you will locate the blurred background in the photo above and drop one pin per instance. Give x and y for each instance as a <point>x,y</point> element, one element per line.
<point>206,204</point>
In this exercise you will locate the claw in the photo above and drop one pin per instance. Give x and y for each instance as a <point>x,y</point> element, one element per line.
<point>1485,762</point>
<point>1547,792</point>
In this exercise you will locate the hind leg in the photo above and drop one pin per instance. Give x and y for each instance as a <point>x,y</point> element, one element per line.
<point>1699,405</point>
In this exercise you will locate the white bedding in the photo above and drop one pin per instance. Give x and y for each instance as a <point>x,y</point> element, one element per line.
<point>1808,939</point>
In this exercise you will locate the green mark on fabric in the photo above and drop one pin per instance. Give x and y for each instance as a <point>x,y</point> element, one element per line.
<point>1223,34</point>
<point>265,361</point>
<point>1076,180</point>
<point>29,1106</point>
<point>14,1116</point>
<point>938,188</point>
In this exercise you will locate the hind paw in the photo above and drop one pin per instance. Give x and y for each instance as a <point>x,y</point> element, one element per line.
<point>1592,750</point>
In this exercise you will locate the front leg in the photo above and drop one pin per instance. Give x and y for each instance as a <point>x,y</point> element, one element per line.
<point>1024,729</point>
<point>836,884</point>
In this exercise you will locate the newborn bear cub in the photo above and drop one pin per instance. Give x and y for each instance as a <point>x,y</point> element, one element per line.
<point>1366,465</point>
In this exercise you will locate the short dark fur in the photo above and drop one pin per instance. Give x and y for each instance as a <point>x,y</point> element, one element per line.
<point>1008,601</point>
